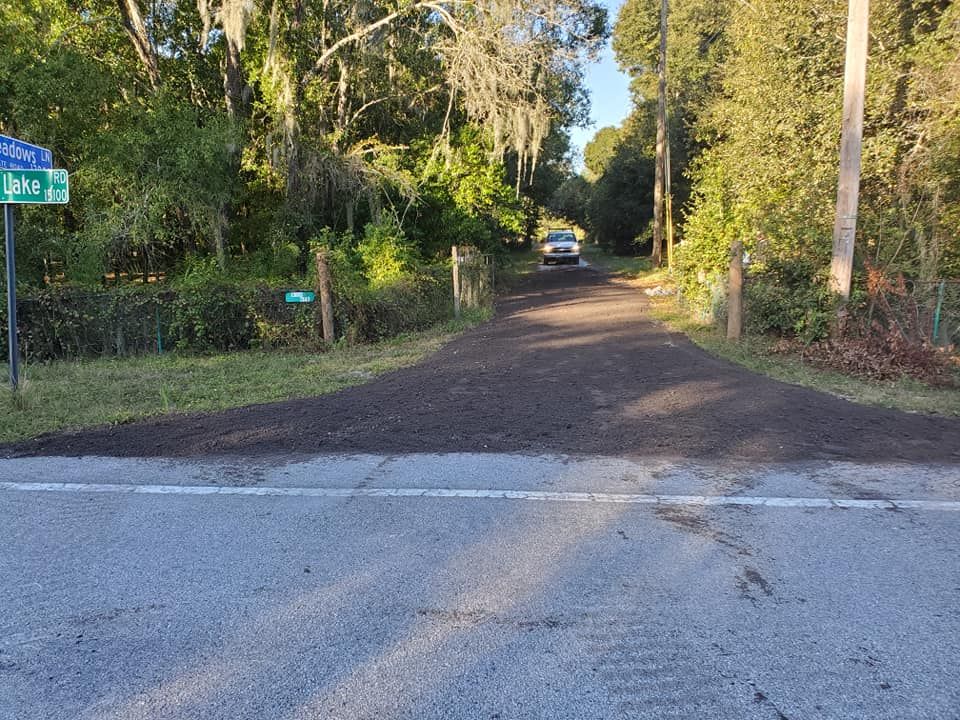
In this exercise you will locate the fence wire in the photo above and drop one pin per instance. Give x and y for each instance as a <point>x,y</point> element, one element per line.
<point>62,322</point>
<point>920,311</point>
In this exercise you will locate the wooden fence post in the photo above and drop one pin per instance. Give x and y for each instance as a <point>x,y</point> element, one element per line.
<point>456,281</point>
<point>735,292</point>
<point>326,296</point>
<point>467,278</point>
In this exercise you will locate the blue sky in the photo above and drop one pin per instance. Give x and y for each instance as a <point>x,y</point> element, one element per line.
<point>609,91</point>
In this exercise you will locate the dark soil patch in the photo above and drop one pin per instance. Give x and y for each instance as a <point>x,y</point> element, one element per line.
<point>572,365</point>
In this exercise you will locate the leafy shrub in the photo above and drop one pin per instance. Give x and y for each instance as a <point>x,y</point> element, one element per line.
<point>71,322</point>
<point>386,253</point>
<point>700,267</point>
<point>788,297</point>
<point>214,316</point>
<point>374,313</point>
<point>278,261</point>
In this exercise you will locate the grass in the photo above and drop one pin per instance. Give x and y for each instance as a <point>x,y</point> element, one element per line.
<point>518,264</point>
<point>629,267</point>
<point>756,354</point>
<point>75,394</point>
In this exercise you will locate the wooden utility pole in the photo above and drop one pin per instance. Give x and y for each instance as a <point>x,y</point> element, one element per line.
<point>851,140</point>
<point>735,292</point>
<point>658,182</point>
<point>326,295</point>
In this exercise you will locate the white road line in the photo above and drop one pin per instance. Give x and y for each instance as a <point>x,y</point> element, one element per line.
<point>549,496</point>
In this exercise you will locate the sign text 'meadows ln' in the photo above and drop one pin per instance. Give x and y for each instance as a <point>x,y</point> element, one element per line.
<point>18,155</point>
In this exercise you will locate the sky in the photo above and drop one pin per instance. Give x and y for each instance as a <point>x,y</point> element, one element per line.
<point>609,91</point>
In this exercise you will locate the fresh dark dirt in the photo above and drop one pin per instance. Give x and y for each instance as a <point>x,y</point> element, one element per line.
<point>571,364</point>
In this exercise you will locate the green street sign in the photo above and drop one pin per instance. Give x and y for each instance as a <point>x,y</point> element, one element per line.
<point>301,296</point>
<point>34,187</point>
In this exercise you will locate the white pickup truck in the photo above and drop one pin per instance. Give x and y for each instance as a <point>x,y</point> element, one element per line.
<point>561,246</point>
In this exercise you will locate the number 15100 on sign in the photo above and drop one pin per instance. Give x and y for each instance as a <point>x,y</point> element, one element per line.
<point>40,187</point>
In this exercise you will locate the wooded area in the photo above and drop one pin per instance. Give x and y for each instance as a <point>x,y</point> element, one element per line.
<point>228,142</point>
<point>754,104</point>
<point>226,138</point>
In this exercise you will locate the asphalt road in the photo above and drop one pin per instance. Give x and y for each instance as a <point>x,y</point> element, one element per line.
<point>477,586</point>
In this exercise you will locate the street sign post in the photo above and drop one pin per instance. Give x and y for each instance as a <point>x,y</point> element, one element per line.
<point>26,177</point>
<point>301,296</point>
<point>34,187</point>
<point>12,342</point>
<point>18,155</point>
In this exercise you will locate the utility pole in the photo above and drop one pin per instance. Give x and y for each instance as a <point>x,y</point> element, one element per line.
<point>658,179</point>
<point>851,141</point>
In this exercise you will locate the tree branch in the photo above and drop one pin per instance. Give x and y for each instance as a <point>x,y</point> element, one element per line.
<point>137,31</point>
<point>363,32</point>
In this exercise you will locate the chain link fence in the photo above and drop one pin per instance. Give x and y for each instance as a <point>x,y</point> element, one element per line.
<point>919,311</point>
<point>64,322</point>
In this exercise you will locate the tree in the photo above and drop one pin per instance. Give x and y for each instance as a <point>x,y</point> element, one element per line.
<point>621,200</point>
<point>236,128</point>
<point>572,200</point>
<point>598,153</point>
<point>761,110</point>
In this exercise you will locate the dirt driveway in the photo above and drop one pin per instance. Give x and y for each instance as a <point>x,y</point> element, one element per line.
<point>571,364</point>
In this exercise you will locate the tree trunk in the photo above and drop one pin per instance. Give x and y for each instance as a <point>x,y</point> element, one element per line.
<point>137,31</point>
<point>234,86</point>
<point>350,207</point>
<point>343,87</point>
<point>668,196</point>
<point>219,228</point>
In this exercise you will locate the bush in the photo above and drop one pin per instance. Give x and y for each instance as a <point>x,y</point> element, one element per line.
<point>71,322</point>
<point>206,316</point>
<point>212,317</point>
<point>789,298</point>
<point>367,314</point>
<point>700,267</point>
<point>386,253</point>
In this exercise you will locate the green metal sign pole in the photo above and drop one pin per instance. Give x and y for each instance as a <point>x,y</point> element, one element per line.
<point>12,343</point>
<point>936,315</point>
